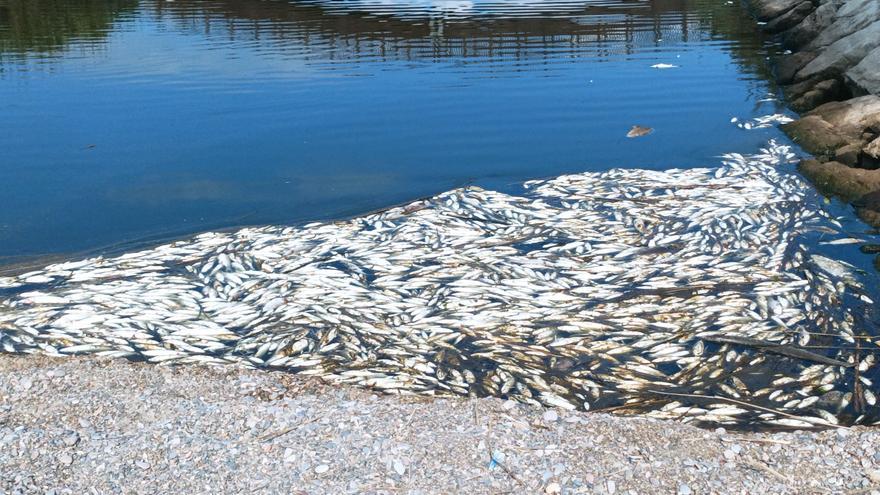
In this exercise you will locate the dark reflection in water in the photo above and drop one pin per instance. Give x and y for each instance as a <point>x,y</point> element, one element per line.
<point>123,120</point>
<point>44,27</point>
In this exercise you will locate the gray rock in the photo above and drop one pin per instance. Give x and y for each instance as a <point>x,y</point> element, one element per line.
<point>71,439</point>
<point>816,136</point>
<point>864,78</point>
<point>791,18</point>
<point>822,92</point>
<point>851,117</point>
<point>788,65</point>
<point>873,149</point>
<point>843,54</point>
<point>848,155</point>
<point>851,17</point>
<point>766,10</point>
<point>809,29</point>
<point>836,178</point>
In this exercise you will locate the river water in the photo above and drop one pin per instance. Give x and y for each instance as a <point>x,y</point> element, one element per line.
<point>127,120</point>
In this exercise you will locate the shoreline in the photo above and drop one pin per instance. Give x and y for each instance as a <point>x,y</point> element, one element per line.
<point>73,424</point>
<point>831,75</point>
<point>587,292</point>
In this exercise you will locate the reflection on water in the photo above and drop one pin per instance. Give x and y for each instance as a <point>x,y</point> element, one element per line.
<point>43,27</point>
<point>128,119</point>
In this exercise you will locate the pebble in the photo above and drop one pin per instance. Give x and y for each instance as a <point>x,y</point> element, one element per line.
<point>437,450</point>
<point>551,415</point>
<point>71,439</point>
<point>399,468</point>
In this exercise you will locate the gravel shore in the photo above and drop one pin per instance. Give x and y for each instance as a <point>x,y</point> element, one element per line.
<point>93,426</point>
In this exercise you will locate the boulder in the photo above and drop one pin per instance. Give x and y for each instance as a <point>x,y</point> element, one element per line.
<point>816,136</point>
<point>849,155</point>
<point>868,209</point>
<point>766,10</point>
<point>873,149</point>
<point>798,89</point>
<point>852,184</point>
<point>864,78</point>
<point>809,29</point>
<point>852,16</point>
<point>788,65</point>
<point>821,93</point>
<point>791,18</point>
<point>851,117</point>
<point>843,54</point>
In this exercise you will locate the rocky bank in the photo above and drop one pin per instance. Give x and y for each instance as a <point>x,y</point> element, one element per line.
<point>831,74</point>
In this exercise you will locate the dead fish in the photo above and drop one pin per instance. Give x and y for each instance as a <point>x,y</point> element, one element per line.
<point>639,131</point>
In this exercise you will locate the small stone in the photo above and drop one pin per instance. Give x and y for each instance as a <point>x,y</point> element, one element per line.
<point>65,459</point>
<point>398,466</point>
<point>71,439</point>
<point>720,431</point>
<point>873,475</point>
<point>842,433</point>
<point>551,416</point>
<point>553,488</point>
<point>322,468</point>
<point>683,489</point>
<point>611,487</point>
<point>143,465</point>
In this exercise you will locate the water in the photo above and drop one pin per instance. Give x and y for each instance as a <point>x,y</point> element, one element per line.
<point>129,120</point>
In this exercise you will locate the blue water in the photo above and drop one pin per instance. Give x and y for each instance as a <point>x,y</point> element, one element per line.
<point>130,120</point>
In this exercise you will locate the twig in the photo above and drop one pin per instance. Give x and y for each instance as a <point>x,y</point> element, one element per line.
<point>755,440</point>
<point>268,437</point>
<point>501,464</point>
<point>767,469</point>
<point>492,452</point>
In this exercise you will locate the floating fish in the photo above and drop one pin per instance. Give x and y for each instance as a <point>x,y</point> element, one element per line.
<point>678,294</point>
<point>639,131</point>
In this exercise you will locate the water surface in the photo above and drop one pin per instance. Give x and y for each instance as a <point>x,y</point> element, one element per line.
<point>123,120</point>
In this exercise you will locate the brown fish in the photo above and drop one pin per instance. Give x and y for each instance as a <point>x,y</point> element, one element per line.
<point>639,131</point>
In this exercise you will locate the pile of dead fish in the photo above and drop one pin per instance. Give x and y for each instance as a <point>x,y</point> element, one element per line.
<point>684,294</point>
